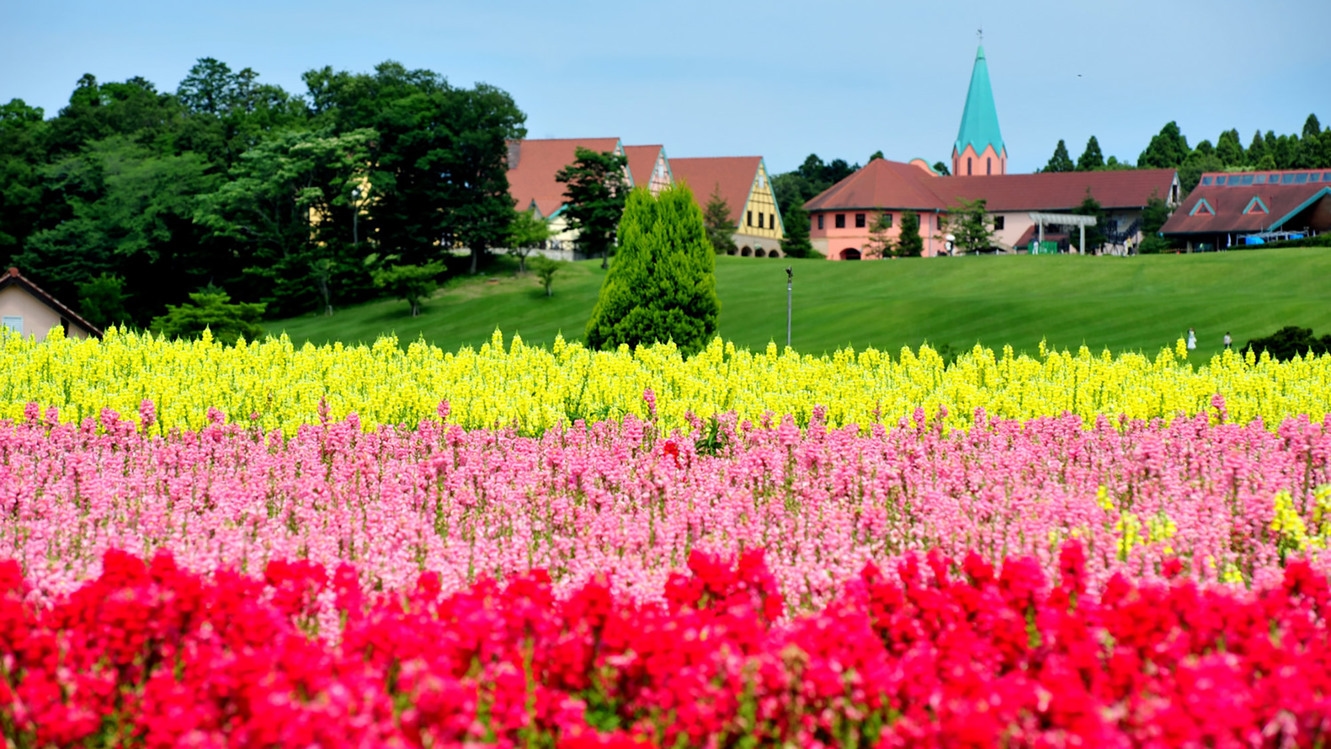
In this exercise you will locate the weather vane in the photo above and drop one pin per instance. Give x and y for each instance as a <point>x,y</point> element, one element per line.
<point>980,33</point>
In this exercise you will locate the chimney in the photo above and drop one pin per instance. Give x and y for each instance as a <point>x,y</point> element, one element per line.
<point>514,154</point>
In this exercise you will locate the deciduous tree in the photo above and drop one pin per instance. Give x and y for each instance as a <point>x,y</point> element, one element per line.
<point>970,225</point>
<point>526,233</point>
<point>595,191</point>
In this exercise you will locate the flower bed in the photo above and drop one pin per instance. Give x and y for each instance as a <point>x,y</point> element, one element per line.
<point>944,655</point>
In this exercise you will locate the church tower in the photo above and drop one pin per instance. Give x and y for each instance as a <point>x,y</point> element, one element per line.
<point>979,148</point>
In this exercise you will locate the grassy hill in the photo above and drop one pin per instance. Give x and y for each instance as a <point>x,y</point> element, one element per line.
<point>1139,303</point>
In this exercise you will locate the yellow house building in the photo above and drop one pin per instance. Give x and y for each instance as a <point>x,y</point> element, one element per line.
<point>741,181</point>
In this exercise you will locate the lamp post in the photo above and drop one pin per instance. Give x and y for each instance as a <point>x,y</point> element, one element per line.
<point>790,286</point>
<point>355,216</point>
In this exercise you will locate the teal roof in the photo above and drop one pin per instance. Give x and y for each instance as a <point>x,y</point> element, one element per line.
<point>979,121</point>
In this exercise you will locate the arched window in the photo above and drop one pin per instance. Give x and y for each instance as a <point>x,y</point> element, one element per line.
<point>850,253</point>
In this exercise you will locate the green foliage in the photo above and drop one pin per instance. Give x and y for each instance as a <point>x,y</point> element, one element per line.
<point>1229,150</point>
<point>1060,161</point>
<point>545,269</point>
<point>1197,163</point>
<point>720,225</point>
<point>880,244</point>
<point>1311,127</point>
<point>970,225</point>
<point>211,309</point>
<point>876,155</point>
<point>526,233</point>
<point>595,191</point>
<point>1167,149</point>
<point>1095,235</point>
<point>412,283</point>
<point>942,169</point>
<point>1289,342</point>
<point>909,241</point>
<point>1154,244</point>
<point>662,286</point>
<point>22,132</point>
<point>1155,214</point>
<point>1091,159</point>
<point>795,242</point>
<point>102,300</point>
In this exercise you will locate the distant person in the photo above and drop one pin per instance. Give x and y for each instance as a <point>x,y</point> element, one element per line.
<point>1192,339</point>
<point>1228,341</point>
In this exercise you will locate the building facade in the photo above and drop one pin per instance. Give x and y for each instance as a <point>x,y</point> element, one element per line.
<point>27,310</point>
<point>1250,209</point>
<point>742,181</point>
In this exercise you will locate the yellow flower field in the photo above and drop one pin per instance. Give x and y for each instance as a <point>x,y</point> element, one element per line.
<point>274,385</point>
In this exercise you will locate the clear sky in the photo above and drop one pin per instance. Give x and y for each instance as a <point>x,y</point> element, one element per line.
<point>840,78</point>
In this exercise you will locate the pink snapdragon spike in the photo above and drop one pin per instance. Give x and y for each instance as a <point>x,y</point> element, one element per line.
<point>939,655</point>
<point>1148,500</point>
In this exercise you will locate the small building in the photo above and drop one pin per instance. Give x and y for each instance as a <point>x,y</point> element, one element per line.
<point>532,167</point>
<point>29,311</point>
<point>842,217</point>
<point>649,167</point>
<point>743,183</point>
<point>1250,208</point>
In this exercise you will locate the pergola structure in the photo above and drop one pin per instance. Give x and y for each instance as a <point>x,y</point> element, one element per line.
<point>1064,219</point>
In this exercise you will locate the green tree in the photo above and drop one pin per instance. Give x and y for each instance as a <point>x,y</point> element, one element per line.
<point>720,225</point>
<point>795,222</point>
<point>1091,159</point>
<point>880,241</point>
<point>545,269</point>
<point>525,234</point>
<point>970,225</point>
<point>1289,342</point>
<point>1197,163</point>
<point>595,193</point>
<point>663,284</point>
<point>1256,149</point>
<point>1167,150</point>
<point>876,155</point>
<point>1095,235</point>
<point>22,155</point>
<point>211,309</point>
<point>412,283</point>
<point>1311,127</point>
<point>942,169</point>
<point>1229,149</point>
<point>227,113</point>
<point>287,209</point>
<point>909,241</point>
<point>102,300</point>
<point>1060,161</point>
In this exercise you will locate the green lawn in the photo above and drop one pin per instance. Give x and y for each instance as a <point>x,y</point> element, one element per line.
<point>1139,303</point>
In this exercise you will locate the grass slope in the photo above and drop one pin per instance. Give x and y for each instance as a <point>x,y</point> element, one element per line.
<point>1139,303</point>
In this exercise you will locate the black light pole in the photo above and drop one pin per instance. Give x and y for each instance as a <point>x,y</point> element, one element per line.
<point>355,216</point>
<point>790,285</point>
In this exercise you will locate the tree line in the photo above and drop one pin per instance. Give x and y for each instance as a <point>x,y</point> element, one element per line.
<point>131,199</point>
<point>1169,149</point>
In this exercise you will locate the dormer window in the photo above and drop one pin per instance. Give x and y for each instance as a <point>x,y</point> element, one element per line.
<point>1202,207</point>
<point>1256,206</point>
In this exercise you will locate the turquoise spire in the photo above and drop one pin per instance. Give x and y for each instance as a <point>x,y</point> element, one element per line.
<point>979,121</point>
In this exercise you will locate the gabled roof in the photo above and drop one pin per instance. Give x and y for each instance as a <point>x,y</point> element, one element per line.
<point>979,120</point>
<point>642,162</point>
<point>12,277</point>
<point>1229,207</point>
<point>884,184</point>
<point>533,164</point>
<point>734,175</point>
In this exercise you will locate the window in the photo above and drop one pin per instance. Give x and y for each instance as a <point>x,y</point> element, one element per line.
<point>1206,181</point>
<point>1247,180</point>
<point>771,220</point>
<point>1259,179</point>
<point>998,222</point>
<point>968,166</point>
<point>1300,179</point>
<point>859,221</point>
<point>1286,179</point>
<point>988,166</point>
<point>750,218</point>
<point>820,221</point>
<point>13,322</point>
<point>886,218</point>
<point>841,221</point>
<point>760,220</point>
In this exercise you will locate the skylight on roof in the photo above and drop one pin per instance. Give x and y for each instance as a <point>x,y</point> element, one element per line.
<point>1300,179</point>
<point>1260,179</point>
<point>1247,180</point>
<point>1206,181</point>
<point>1287,179</point>
<point>1234,179</point>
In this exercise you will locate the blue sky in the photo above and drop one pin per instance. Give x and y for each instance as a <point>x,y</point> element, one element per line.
<point>778,78</point>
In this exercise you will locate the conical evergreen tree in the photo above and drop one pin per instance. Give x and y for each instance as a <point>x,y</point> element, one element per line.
<point>662,286</point>
<point>1091,159</point>
<point>1060,161</point>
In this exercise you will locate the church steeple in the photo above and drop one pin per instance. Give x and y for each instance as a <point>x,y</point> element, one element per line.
<point>979,148</point>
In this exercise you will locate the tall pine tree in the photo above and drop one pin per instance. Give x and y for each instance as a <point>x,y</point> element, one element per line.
<point>1060,161</point>
<point>662,286</point>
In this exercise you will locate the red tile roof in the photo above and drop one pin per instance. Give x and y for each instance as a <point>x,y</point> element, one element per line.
<point>734,176</point>
<point>892,184</point>
<point>642,162</point>
<point>12,277</point>
<point>1235,210</point>
<point>533,164</point>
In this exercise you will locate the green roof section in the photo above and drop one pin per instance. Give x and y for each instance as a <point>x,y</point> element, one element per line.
<point>979,121</point>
